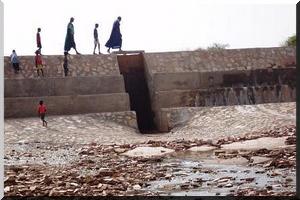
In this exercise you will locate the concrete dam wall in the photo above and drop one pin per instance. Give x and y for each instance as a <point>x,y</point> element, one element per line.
<point>218,78</point>
<point>150,83</point>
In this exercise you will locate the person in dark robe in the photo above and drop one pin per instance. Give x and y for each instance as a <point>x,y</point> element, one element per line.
<point>38,40</point>
<point>70,42</point>
<point>115,39</point>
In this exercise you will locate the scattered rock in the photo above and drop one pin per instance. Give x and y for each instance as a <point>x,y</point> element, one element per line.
<point>289,179</point>
<point>9,180</point>
<point>248,179</point>
<point>119,150</point>
<point>168,176</point>
<point>137,187</point>
<point>266,142</point>
<point>203,148</point>
<point>148,152</point>
<point>7,189</point>
<point>234,161</point>
<point>74,184</point>
<point>217,152</point>
<point>269,187</point>
<point>291,140</point>
<point>259,159</point>
<point>32,188</point>
<point>229,185</point>
<point>185,186</point>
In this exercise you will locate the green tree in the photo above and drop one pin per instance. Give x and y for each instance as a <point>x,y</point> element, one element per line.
<point>291,41</point>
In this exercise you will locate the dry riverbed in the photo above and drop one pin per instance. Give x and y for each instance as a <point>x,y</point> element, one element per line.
<point>179,167</point>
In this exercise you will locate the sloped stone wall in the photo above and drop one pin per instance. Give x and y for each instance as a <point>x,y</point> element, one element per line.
<point>205,120</point>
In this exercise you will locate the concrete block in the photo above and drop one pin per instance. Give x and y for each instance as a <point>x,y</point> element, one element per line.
<point>63,86</point>
<point>64,105</point>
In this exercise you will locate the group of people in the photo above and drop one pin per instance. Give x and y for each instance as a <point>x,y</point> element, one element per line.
<point>114,42</point>
<point>38,61</point>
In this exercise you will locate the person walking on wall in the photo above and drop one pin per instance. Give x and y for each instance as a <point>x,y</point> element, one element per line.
<point>38,40</point>
<point>69,42</point>
<point>96,39</point>
<point>42,112</point>
<point>15,61</point>
<point>39,63</point>
<point>115,39</point>
<point>65,65</point>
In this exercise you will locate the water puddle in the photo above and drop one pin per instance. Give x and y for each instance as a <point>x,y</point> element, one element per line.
<point>202,174</point>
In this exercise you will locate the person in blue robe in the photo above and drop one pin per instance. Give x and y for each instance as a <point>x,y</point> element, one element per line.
<point>115,39</point>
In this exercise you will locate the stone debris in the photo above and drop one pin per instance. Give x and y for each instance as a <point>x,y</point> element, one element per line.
<point>148,152</point>
<point>266,142</point>
<point>259,159</point>
<point>103,170</point>
<point>137,187</point>
<point>119,150</point>
<point>229,161</point>
<point>261,192</point>
<point>203,148</point>
<point>291,140</point>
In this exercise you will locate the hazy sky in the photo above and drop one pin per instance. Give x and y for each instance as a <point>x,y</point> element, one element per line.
<point>156,25</point>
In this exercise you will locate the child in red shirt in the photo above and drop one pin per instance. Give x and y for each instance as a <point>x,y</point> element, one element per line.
<point>42,112</point>
<point>39,63</point>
